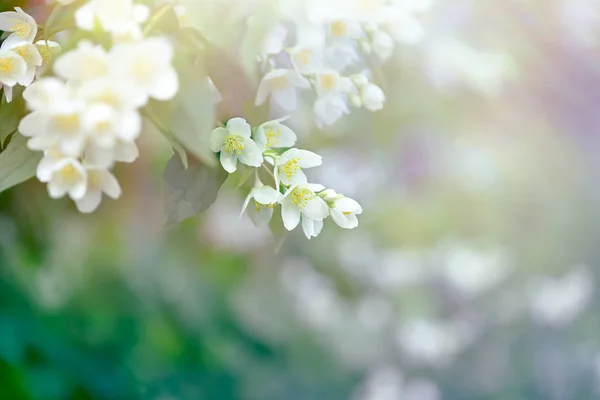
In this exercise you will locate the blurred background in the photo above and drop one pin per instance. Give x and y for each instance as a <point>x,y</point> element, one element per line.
<point>473,273</point>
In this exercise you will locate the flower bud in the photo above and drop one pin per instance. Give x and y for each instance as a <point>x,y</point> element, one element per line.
<point>372,97</point>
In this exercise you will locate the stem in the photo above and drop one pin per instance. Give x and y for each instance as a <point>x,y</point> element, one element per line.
<point>268,170</point>
<point>155,18</point>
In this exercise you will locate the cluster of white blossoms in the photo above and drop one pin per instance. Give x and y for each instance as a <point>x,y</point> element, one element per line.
<point>21,60</point>
<point>86,118</point>
<point>331,54</point>
<point>300,201</point>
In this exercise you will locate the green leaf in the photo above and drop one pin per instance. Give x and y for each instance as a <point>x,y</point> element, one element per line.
<point>11,114</point>
<point>61,18</point>
<point>190,191</point>
<point>17,162</point>
<point>162,20</point>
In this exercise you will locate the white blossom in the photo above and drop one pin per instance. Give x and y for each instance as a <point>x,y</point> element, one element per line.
<point>273,134</point>
<point>234,143</point>
<point>30,54</point>
<point>22,26</point>
<point>301,201</point>
<point>280,85</point>
<point>99,181</point>
<point>289,166</point>
<point>344,211</point>
<point>372,97</point>
<point>265,199</point>
<point>12,68</point>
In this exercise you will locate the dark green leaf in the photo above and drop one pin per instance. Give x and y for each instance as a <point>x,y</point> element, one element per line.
<point>190,191</point>
<point>17,162</point>
<point>11,114</point>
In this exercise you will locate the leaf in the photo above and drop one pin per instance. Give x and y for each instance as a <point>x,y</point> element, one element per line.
<point>17,162</point>
<point>190,191</point>
<point>11,114</point>
<point>61,18</point>
<point>162,21</point>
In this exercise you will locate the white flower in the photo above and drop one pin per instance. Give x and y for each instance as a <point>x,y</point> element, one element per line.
<point>119,17</point>
<point>281,85</point>
<point>302,201</point>
<point>273,43</point>
<point>329,109</point>
<point>329,83</point>
<point>65,175</point>
<point>98,181</point>
<point>382,45</point>
<point>105,124</point>
<point>48,51</point>
<point>344,212</point>
<point>305,59</point>
<point>30,54</point>
<point>105,157</point>
<point>372,97</point>
<point>45,93</point>
<point>59,127</point>
<point>265,199</point>
<point>12,68</point>
<point>345,30</point>
<point>85,63</point>
<point>147,66</point>
<point>273,134</point>
<point>23,26</point>
<point>288,167</point>
<point>235,144</point>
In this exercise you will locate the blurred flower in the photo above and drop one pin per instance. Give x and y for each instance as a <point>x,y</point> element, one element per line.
<point>280,85</point>
<point>558,301</point>
<point>22,27</point>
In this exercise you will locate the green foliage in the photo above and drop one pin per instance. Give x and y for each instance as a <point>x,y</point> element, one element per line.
<point>17,162</point>
<point>190,191</point>
<point>11,114</point>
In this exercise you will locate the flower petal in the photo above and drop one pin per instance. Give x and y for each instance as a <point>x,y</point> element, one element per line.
<point>290,214</point>
<point>266,195</point>
<point>217,139</point>
<point>229,162</point>
<point>251,154</point>
<point>239,127</point>
<point>316,208</point>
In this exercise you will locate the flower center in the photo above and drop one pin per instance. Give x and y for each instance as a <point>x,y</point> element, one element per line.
<point>301,197</point>
<point>304,56</point>
<point>45,52</point>
<point>346,212</point>
<point>22,29</point>
<point>66,124</point>
<point>279,82</point>
<point>328,81</point>
<point>6,66</point>
<point>260,206</point>
<point>24,53</point>
<point>234,144</point>
<point>69,174</point>
<point>272,136</point>
<point>291,168</point>
<point>338,28</point>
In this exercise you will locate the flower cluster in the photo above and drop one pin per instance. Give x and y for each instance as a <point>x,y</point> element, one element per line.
<point>87,118</point>
<point>329,55</point>
<point>20,58</point>
<point>300,201</point>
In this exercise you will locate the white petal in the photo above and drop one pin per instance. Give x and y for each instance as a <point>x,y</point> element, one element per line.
<point>130,126</point>
<point>315,187</point>
<point>246,202</point>
<point>266,195</point>
<point>126,152</point>
<point>316,208</point>
<point>217,139</point>
<point>264,89</point>
<point>251,154</point>
<point>166,86</point>
<point>8,93</point>
<point>285,98</point>
<point>239,127</point>
<point>56,191</point>
<point>317,228</point>
<point>110,185</point>
<point>308,227</point>
<point>260,217</point>
<point>290,214</point>
<point>90,202</point>
<point>45,168</point>
<point>229,162</point>
<point>346,204</point>
<point>34,124</point>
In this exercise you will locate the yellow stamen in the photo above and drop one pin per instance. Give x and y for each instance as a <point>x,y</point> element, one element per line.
<point>304,56</point>
<point>69,173</point>
<point>66,124</point>
<point>260,206</point>
<point>24,53</point>
<point>6,66</point>
<point>280,82</point>
<point>346,212</point>
<point>234,144</point>
<point>21,28</point>
<point>301,197</point>
<point>339,28</point>
<point>272,136</point>
<point>328,81</point>
<point>291,168</point>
